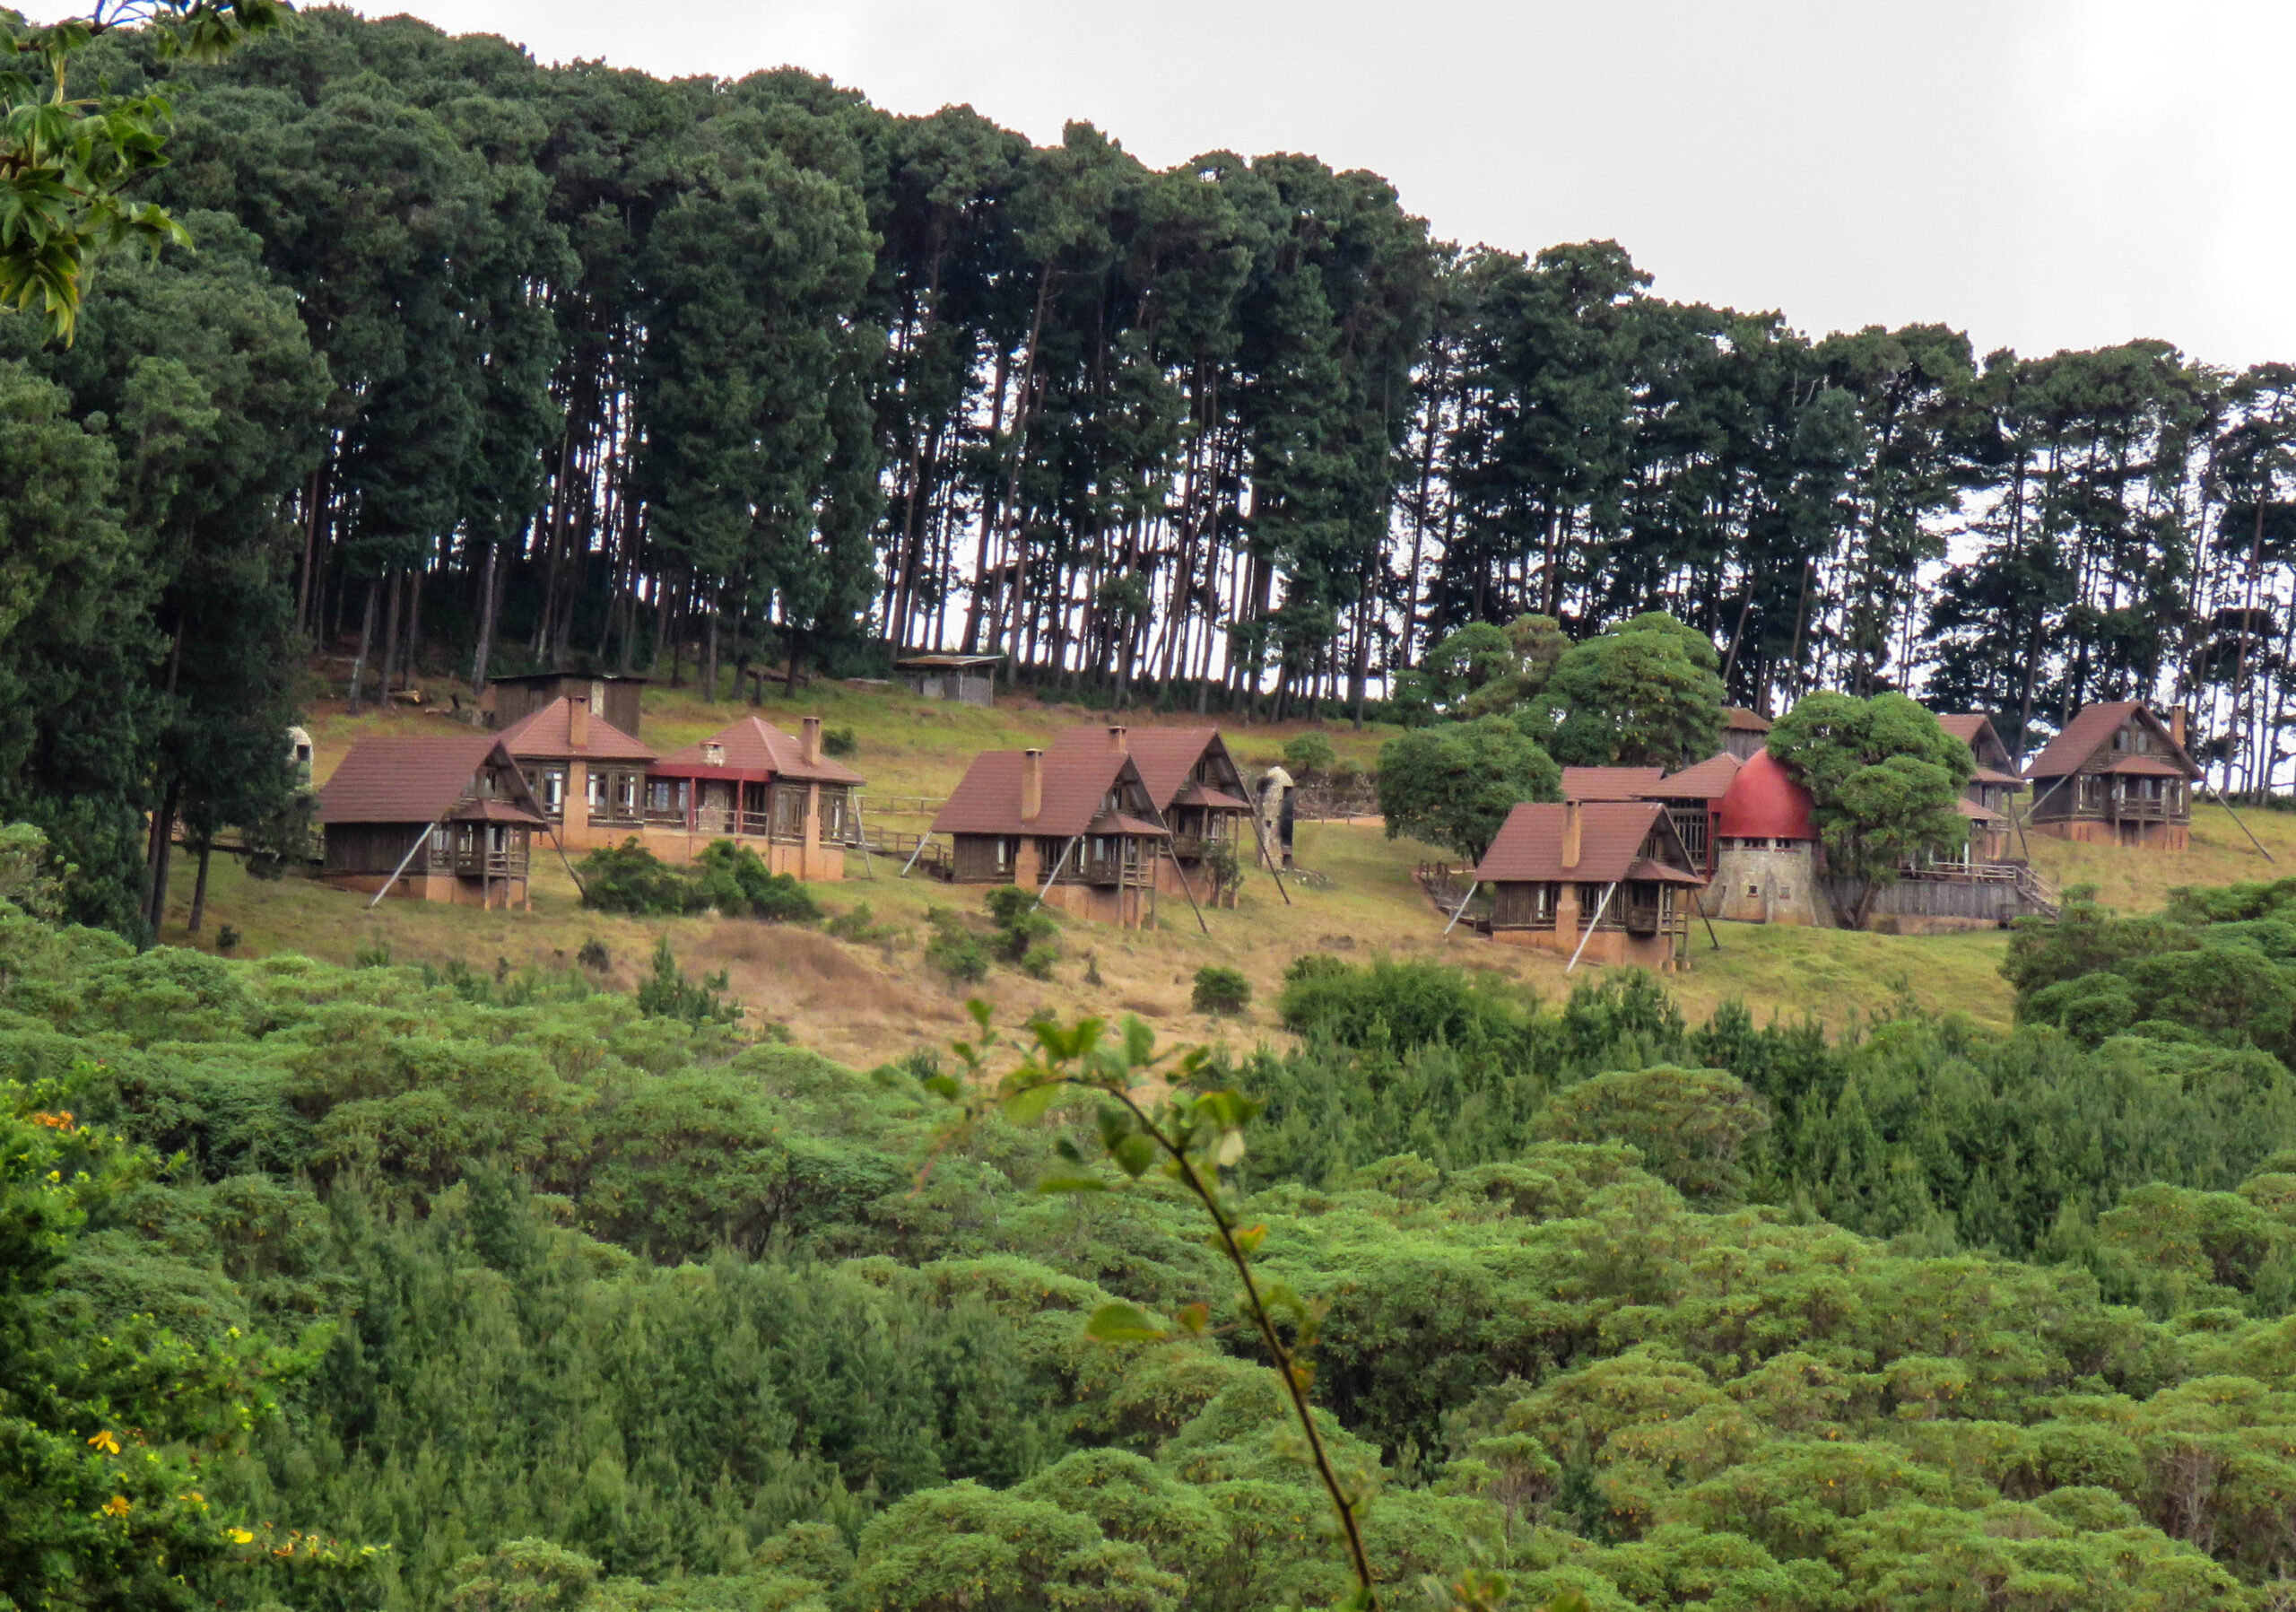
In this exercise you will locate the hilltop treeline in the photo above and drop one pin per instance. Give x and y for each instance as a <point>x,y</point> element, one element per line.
<point>333,1288</point>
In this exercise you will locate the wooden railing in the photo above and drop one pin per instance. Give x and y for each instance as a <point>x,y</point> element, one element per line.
<point>484,864</point>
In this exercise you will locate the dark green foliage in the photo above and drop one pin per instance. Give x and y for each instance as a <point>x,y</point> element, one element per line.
<point>954,949</point>
<point>1883,778</point>
<point>593,955</point>
<point>735,883</point>
<point>1220,990</point>
<point>667,994</point>
<point>1310,755</point>
<point>630,878</point>
<point>1453,784</point>
<point>1024,931</point>
<point>839,741</point>
<point>1645,694</point>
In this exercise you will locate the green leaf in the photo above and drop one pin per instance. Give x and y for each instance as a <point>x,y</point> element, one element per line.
<point>1194,1318</point>
<point>1248,1238</point>
<point>1028,1104</point>
<point>1123,1323</point>
<point>1051,1184</point>
<point>1133,1155</point>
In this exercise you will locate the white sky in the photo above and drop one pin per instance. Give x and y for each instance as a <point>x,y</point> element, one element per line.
<point>2042,173</point>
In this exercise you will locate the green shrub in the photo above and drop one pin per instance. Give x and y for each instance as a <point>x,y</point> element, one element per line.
<point>735,881</point>
<point>954,949</point>
<point>1221,991</point>
<point>1038,961</point>
<point>858,923</point>
<point>670,995</point>
<point>593,955</point>
<point>1310,755</point>
<point>227,940</point>
<point>840,741</point>
<point>1022,927</point>
<point>630,878</point>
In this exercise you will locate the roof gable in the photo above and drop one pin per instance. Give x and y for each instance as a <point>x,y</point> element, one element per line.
<point>1612,835</point>
<point>1076,786</point>
<point>546,734</point>
<point>754,749</point>
<point>1166,757</point>
<point>1710,780</point>
<point>417,778</point>
<point>1611,783</point>
<point>2092,728</point>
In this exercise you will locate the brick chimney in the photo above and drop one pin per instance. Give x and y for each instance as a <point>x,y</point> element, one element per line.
<point>1031,785</point>
<point>1116,738</point>
<point>578,722</point>
<point>1570,835</point>
<point>811,747</point>
<point>2179,721</point>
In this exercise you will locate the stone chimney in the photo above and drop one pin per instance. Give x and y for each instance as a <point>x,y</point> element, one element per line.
<point>578,722</point>
<point>1031,785</point>
<point>1116,738</point>
<point>1570,835</point>
<point>810,748</point>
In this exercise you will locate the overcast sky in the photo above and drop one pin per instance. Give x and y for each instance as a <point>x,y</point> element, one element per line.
<point>2042,173</point>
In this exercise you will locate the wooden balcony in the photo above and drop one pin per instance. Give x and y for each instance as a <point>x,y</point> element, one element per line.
<point>474,864</point>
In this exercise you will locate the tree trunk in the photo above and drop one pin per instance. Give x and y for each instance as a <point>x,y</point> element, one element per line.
<point>199,890</point>
<point>163,839</point>
<point>390,636</point>
<point>366,642</point>
<point>486,605</point>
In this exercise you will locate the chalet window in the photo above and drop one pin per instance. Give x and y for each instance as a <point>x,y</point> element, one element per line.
<point>442,842</point>
<point>832,813</point>
<point>554,789</point>
<point>2088,796</point>
<point>1004,853</point>
<point>789,809</point>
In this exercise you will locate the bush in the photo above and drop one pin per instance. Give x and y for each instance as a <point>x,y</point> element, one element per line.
<point>1036,962</point>
<point>1310,755</point>
<point>227,940</point>
<point>858,923</point>
<point>954,949</point>
<point>670,995</point>
<point>593,955</point>
<point>735,880</point>
<point>839,741</point>
<point>1221,991</point>
<point>631,879</point>
<point>1023,928</point>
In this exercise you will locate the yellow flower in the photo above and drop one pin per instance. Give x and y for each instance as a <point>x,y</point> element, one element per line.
<point>117,1506</point>
<point>238,1536</point>
<point>105,1443</point>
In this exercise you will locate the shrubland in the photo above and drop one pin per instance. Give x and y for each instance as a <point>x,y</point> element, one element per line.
<point>490,1294</point>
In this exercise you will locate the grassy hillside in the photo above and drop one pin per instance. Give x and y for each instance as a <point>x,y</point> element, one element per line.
<point>868,1001</point>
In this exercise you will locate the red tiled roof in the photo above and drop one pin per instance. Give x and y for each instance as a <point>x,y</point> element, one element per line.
<point>755,751</point>
<point>1766,802</point>
<point>1658,872</point>
<point>1202,795</point>
<point>987,799</point>
<point>2093,726</point>
<point>411,778</point>
<point>1975,813</point>
<point>1737,718</point>
<point>495,811</point>
<point>1611,783</point>
<point>1611,835</point>
<point>546,734</point>
<point>2147,766</point>
<point>1710,780</point>
<point>1165,756</point>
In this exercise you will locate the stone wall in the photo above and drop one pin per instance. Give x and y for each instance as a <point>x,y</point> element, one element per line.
<point>1768,886</point>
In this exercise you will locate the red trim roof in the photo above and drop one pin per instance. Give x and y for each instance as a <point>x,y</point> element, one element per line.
<point>1611,837</point>
<point>755,752</point>
<point>546,734</point>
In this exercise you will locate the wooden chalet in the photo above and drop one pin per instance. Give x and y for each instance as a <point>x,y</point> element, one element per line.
<point>588,774</point>
<point>1197,791</point>
<point>752,783</point>
<point>969,679</point>
<point>1693,797</point>
<point>2117,775</point>
<point>441,817</point>
<point>1985,802</point>
<point>1077,823</point>
<point>1744,733</point>
<point>1605,880</point>
<point>615,696</point>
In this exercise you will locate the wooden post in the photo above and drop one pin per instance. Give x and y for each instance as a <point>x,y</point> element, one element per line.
<point>1185,890</point>
<point>1472,885</point>
<point>1060,862</point>
<point>421,841</point>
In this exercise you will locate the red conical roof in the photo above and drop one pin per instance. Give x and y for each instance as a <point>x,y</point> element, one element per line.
<point>1764,802</point>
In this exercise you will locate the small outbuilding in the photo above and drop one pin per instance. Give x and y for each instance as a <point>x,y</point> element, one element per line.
<point>970,679</point>
<point>1766,853</point>
<point>1608,880</point>
<point>615,696</point>
<point>1986,800</point>
<point>1744,733</point>
<point>1079,825</point>
<point>437,817</point>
